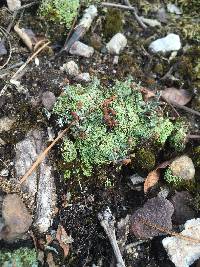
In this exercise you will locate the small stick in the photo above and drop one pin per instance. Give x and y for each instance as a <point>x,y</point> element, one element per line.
<point>193,136</point>
<point>167,231</point>
<point>44,153</point>
<point>189,110</point>
<point>107,222</point>
<point>27,5</point>
<point>29,60</point>
<point>140,22</point>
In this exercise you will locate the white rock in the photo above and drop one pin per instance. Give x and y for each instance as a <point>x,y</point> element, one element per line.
<point>13,4</point>
<point>151,22</point>
<point>181,252</point>
<point>116,44</point>
<point>173,9</point>
<point>83,77</point>
<point>167,44</point>
<point>71,68</point>
<point>81,49</point>
<point>183,167</point>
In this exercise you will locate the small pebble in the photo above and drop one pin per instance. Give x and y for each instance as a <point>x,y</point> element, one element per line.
<point>81,49</point>
<point>48,100</point>
<point>6,124</point>
<point>173,9</point>
<point>16,217</point>
<point>83,77</point>
<point>167,44</point>
<point>116,44</point>
<point>71,68</point>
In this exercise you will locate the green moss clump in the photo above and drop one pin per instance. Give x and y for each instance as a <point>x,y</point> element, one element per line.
<point>22,257</point>
<point>146,159</point>
<point>62,11</point>
<point>113,23</point>
<point>107,119</point>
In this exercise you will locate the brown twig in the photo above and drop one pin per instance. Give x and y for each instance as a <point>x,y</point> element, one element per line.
<point>15,76</point>
<point>193,136</point>
<point>44,153</point>
<point>127,7</point>
<point>167,231</point>
<point>189,110</point>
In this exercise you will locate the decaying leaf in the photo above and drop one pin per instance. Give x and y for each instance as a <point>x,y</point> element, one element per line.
<point>176,96</point>
<point>151,180</point>
<point>63,239</point>
<point>147,94</point>
<point>154,176</point>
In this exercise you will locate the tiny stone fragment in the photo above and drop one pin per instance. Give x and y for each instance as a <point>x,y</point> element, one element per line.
<point>156,211</point>
<point>136,179</point>
<point>48,100</point>
<point>183,167</point>
<point>83,77</point>
<point>182,252</point>
<point>71,68</point>
<point>81,49</point>
<point>116,44</point>
<point>167,44</point>
<point>17,218</point>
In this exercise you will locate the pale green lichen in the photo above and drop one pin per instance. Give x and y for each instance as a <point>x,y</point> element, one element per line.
<point>22,257</point>
<point>178,137</point>
<point>111,122</point>
<point>68,149</point>
<point>172,179</point>
<point>62,11</point>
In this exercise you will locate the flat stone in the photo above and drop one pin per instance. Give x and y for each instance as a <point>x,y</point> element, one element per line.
<point>156,211</point>
<point>16,217</point>
<point>116,44</point>
<point>183,167</point>
<point>173,9</point>
<point>48,100</point>
<point>13,4</point>
<point>167,44</point>
<point>81,49</point>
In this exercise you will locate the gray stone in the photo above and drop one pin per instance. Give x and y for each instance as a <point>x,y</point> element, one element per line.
<point>71,68</point>
<point>183,167</point>
<point>48,100</point>
<point>183,211</point>
<point>116,44</point>
<point>136,179</point>
<point>81,49</point>
<point>167,44</point>
<point>83,77</point>
<point>16,217</point>
<point>182,252</point>
<point>156,211</point>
